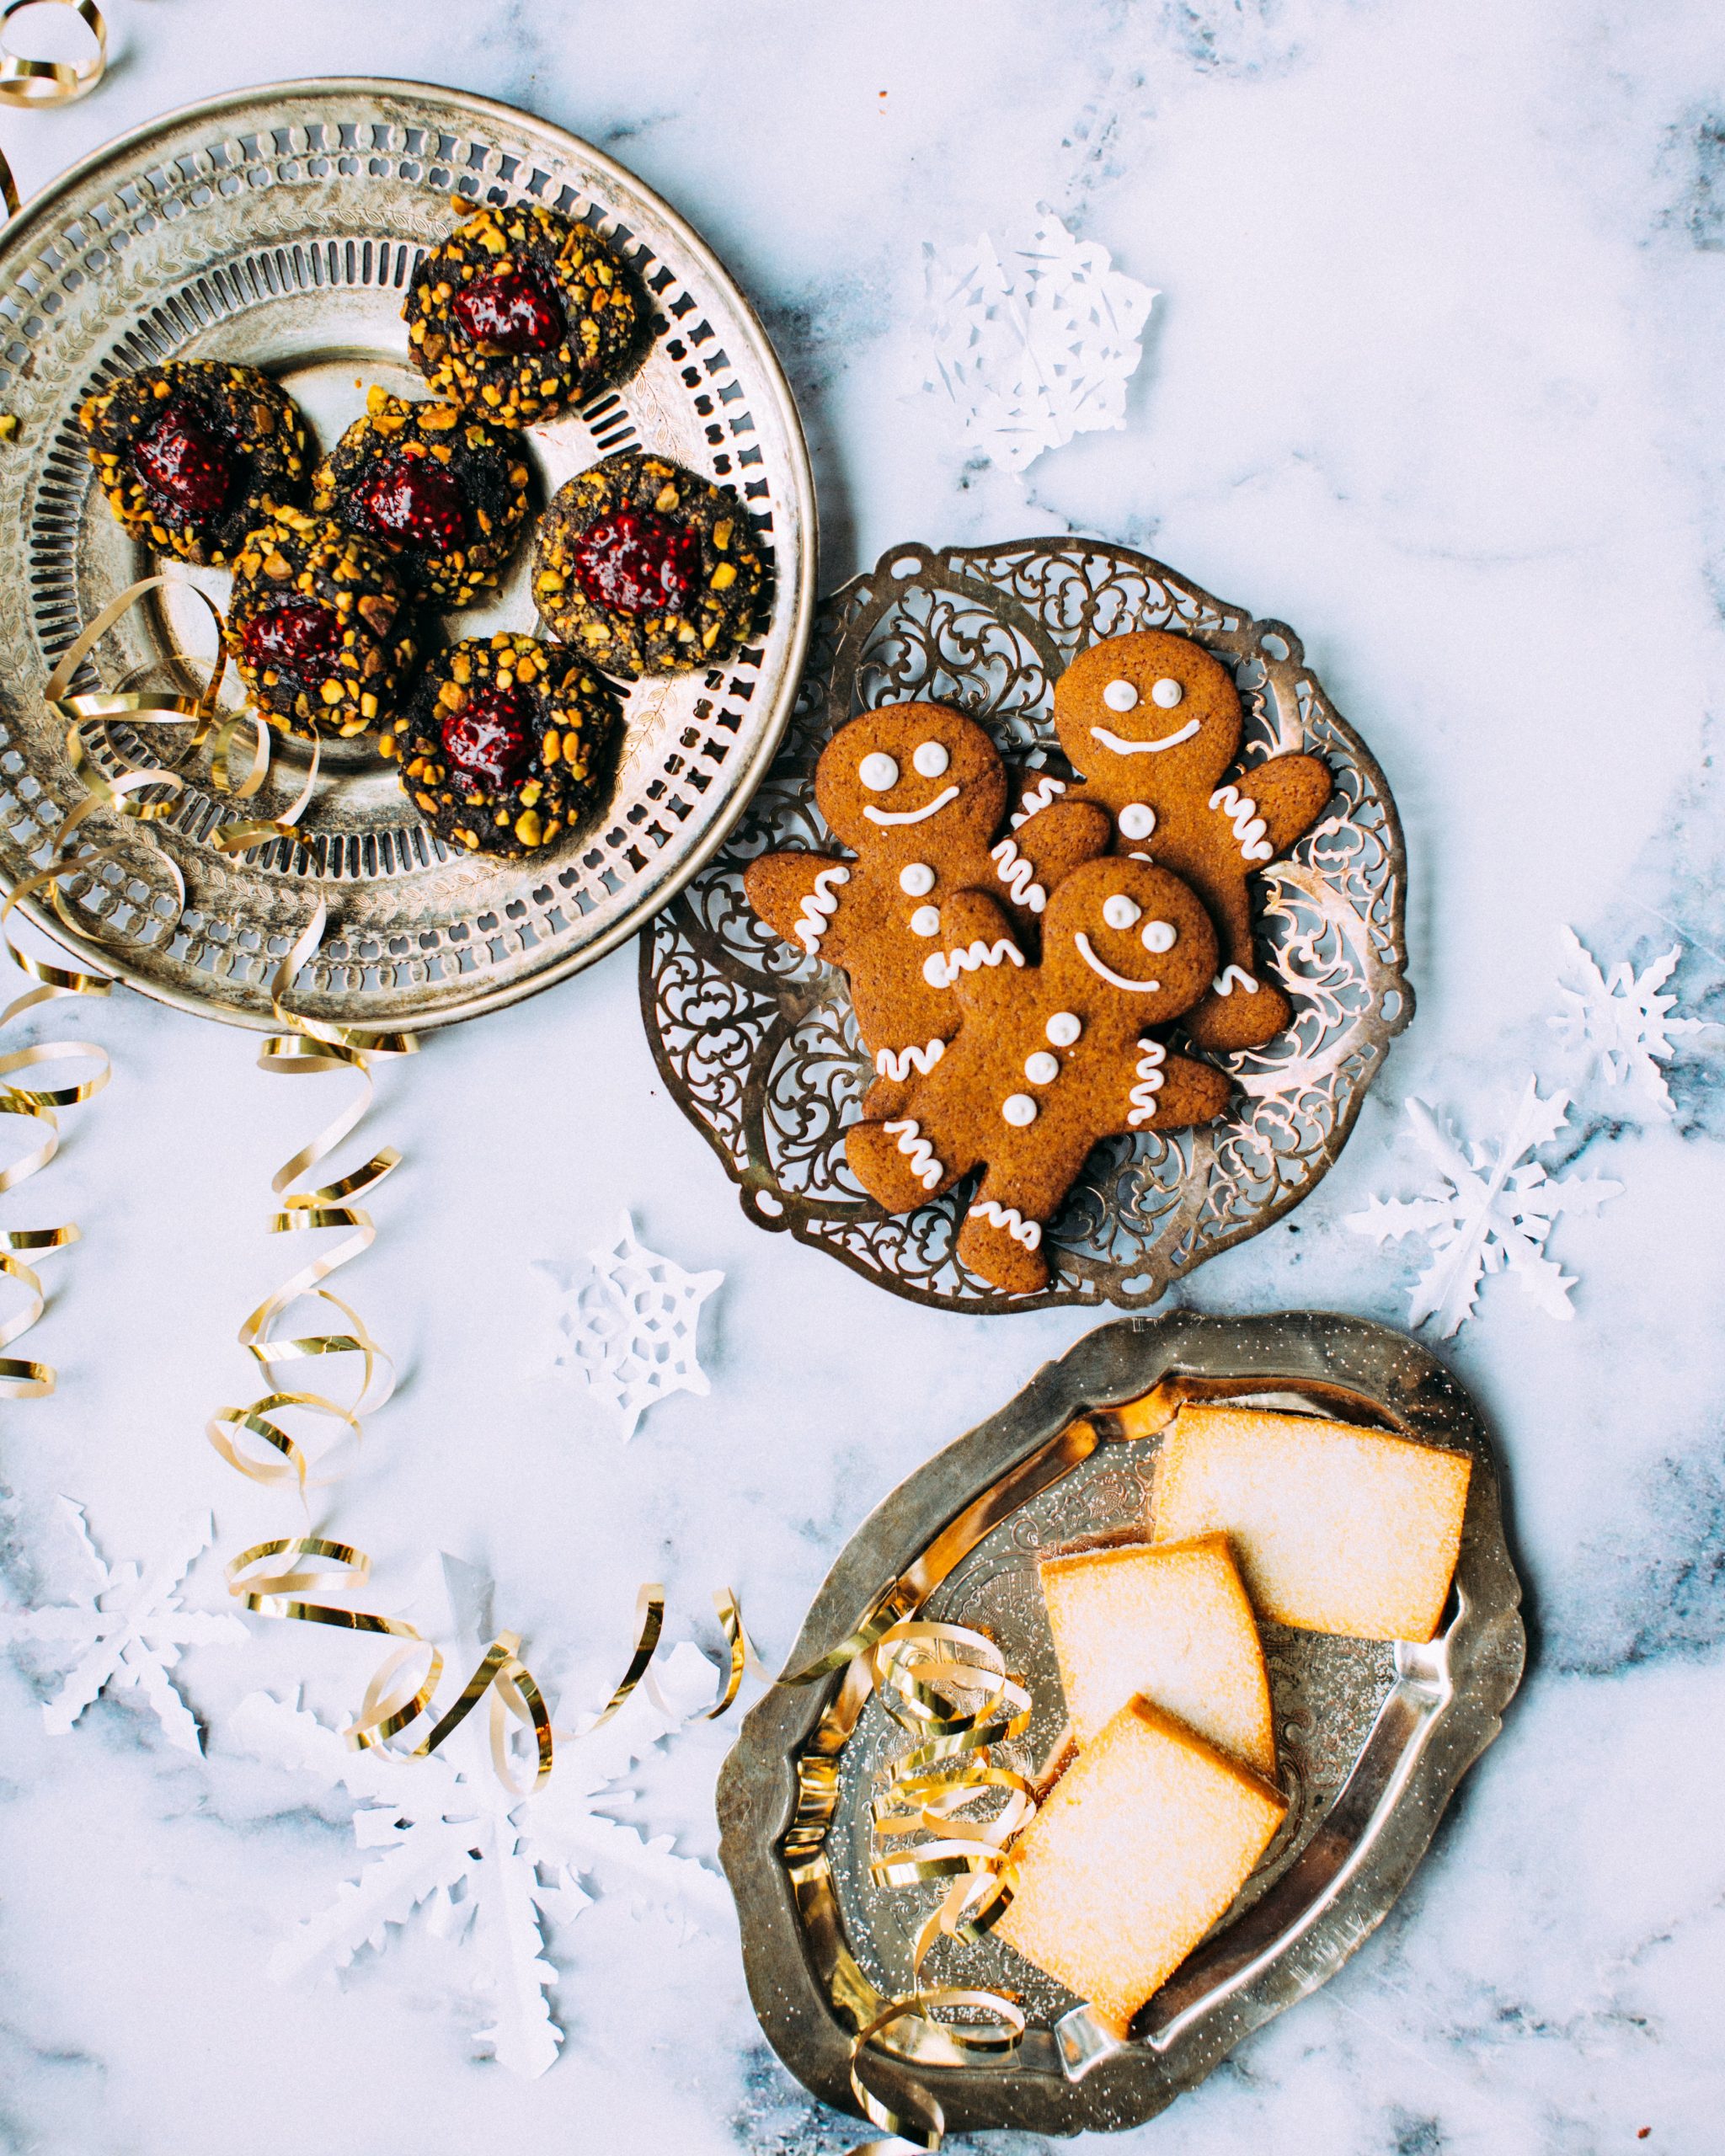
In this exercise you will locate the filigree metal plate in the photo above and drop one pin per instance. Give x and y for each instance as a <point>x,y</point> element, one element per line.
<point>1373,1739</point>
<point>278,228</point>
<point>758,1043</point>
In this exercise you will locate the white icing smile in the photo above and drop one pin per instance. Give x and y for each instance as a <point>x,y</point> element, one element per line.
<point>1121,747</point>
<point>911,816</point>
<point>1108,972</point>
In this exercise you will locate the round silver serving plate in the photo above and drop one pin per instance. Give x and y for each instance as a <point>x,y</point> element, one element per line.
<point>278,228</point>
<point>1373,1738</point>
<point>759,1043</point>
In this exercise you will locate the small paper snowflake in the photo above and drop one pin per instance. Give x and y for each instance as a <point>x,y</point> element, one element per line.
<point>487,1866</point>
<point>1489,1209</point>
<point>632,1326</point>
<point>1621,1017</point>
<point>1034,342</point>
<point>131,1626</point>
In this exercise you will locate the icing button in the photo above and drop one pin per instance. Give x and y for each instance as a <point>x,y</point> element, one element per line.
<point>1119,911</point>
<point>1018,1109</point>
<point>926,921</point>
<point>1120,695</point>
<point>916,880</point>
<point>1042,1069</point>
<point>1159,935</point>
<point>877,772</point>
<point>1064,1028</point>
<point>1137,820</point>
<point>931,760</point>
<point>1166,693</point>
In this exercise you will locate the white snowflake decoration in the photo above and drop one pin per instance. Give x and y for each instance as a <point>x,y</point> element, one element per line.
<point>487,1866</point>
<point>1489,1209</point>
<point>131,1626</point>
<point>632,1326</point>
<point>1035,342</point>
<point>1621,1017</point>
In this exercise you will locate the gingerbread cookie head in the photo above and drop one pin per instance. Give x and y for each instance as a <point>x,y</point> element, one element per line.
<point>911,783</point>
<point>1124,938</point>
<point>1148,712</point>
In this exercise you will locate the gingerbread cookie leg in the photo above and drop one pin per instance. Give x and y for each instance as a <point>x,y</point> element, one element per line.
<point>999,1242</point>
<point>895,1161</point>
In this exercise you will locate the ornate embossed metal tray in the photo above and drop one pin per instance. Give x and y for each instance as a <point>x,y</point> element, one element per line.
<point>278,228</point>
<point>758,1044</point>
<point>1373,1738</point>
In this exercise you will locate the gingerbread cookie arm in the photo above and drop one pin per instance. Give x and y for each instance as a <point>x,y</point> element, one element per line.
<point>975,956</point>
<point>1287,795</point>
<point>811,900</point>
<point>899,1161</point>
<point>1033,857</point>
<point>1164,1091</point>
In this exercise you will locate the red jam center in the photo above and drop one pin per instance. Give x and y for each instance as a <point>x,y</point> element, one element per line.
<point>638,561</point>
<point>182,459</point>
<point>489,739</point>
<point>298,640</point>
<point>413,498</point>
<point>514,309</point>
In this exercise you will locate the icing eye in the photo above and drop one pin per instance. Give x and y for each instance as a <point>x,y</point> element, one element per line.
<point>1120,695</point>
<point>1166,693</point>
<point>931,760</point>
<point>1064,1028</point>
<point>1018,1109</point>
<point>926,921</point>
<point>916,880</point>
<point>877,772</point>
<point>1119,911</point>
<point>1159,935</point>
<point>1137,820</point>
<point>1042,1069</point>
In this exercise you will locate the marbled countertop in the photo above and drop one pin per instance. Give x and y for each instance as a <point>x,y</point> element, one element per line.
<point>1436,378</point>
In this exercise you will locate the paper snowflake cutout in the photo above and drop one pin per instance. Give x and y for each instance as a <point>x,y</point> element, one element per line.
<point>1034,341</point>
<point>131,1626</point>
<point>1621,1017</point>
<point>1489,1209</point>
<point>632,1326</point>
<point>486,1866</point>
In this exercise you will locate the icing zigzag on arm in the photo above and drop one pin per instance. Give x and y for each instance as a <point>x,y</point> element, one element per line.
<point>1150,1082</point>
<point>1041,796</point>
<point>1249,827</point>
<point>1019,875</point>
<point>819,907</point>
<point>940,970</point>
<point>1231,977</point>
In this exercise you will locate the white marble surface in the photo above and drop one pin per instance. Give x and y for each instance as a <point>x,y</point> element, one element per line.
<point>1437,379</point>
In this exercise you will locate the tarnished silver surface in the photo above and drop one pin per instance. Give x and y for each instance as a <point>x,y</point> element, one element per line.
<point>758,1043</point>
<point>1372,1739</point>
<point>277,228</point>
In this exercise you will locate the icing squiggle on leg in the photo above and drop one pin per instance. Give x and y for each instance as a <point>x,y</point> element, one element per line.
<point>898,1064</point>
<point>918,1151</point>
<point>1028,1232</point>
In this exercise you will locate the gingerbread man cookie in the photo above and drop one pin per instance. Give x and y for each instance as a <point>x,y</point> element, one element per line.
<point>917,792</point>
<point>1153,722</point>
<point>1048,1059</point>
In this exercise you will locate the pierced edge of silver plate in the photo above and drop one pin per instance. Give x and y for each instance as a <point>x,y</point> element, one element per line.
<point>1456,1690</point>
<point>794,579</point>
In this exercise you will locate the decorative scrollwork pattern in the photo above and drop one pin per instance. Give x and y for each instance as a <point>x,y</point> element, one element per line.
<point>758,1043</point>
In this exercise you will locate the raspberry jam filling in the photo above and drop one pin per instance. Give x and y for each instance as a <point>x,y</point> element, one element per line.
<point>297,639</point>
<point>490,740</point>
<point>515,309</point>
<point>413,500</point>
<point>638,561</point>
<point>183,460</point>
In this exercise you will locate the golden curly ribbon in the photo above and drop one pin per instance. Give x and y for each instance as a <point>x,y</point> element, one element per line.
<point>47,81</point>
<point>924,1673</point>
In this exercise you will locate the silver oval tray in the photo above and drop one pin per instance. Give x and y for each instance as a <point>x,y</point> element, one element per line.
<point>278,228</point>
<point>1373,1738</point>
<point>758,1043</point>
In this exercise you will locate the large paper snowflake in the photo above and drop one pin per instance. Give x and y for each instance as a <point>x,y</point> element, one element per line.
<point>131,1626</point>
<point>632,1326</point>
<point>485,1866</point>
<point>1621,1017</point>
<point>1489,1209</point>
<point>1034,341</point>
